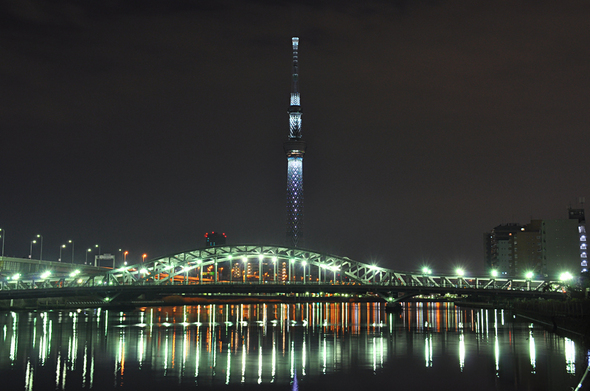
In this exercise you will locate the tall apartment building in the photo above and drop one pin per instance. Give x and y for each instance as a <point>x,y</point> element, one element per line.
<point>545,247</point>
<point>501,247</point>
<point>560,246</point>
<point>528,255</point>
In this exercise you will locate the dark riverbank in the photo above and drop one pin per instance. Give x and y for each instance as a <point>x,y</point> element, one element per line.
<point>570,317</point>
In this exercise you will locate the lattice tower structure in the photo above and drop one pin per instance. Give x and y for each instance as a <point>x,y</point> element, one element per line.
<point>294,148</point>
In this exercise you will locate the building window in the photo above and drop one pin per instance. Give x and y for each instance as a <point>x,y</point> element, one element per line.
<point>581,229</point>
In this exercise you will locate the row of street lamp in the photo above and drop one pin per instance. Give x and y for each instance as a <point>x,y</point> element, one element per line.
<point>565,276</point>
<point>39,239</point>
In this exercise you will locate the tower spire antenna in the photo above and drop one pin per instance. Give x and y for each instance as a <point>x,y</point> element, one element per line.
<point>295,106</point>
<point>294,148</point>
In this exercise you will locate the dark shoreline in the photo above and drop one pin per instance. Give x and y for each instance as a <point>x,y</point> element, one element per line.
<point>574,326</point>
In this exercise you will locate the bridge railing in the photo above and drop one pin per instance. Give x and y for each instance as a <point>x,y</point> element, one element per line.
<point>256,264</point>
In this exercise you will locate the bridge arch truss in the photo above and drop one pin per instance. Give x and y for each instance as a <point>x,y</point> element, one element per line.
<point>268,265</point>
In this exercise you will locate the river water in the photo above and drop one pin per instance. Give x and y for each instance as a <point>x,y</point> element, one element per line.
<point>315,346</point>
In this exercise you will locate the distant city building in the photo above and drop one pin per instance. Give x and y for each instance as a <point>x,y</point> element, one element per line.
<point>560,247</point>
<point>527,250</point>
<point>578,214</point>
<point>501,247</point>
<point>215,239</point>
<point>545,247</point>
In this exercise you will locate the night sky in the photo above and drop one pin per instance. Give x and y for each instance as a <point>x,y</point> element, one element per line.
<point>142,125</point>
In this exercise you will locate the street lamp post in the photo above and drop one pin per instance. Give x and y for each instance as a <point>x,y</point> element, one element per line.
<point>529,276</point>
<point>31,249</point>
<point>426,273</point>
<point>3,233</point>
<point>143,257</point>
<point>71,241</point>
<point>274,261</point>
<point>41,251</point>
<point>60,251</point>
<point>304,263</point>
<point>125,258</point>
<point>88,251</point>
<point>460,274</point>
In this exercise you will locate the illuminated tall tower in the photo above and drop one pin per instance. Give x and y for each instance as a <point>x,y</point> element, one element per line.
<point>295,149</point>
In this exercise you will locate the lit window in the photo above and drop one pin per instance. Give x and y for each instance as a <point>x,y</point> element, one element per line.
<point>582,238</point>
<point>583,246</point>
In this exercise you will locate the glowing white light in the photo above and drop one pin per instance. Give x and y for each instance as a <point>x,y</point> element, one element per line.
<point>565,276</point>
<point>497,355</point>
<point>532,351</point>
<point>570,356</point>
<point>461,351</point>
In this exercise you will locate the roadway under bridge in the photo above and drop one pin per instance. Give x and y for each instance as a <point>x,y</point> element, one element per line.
<point>247,271</point>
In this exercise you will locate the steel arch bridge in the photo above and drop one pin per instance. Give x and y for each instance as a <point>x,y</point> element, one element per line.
<point>261,269</point>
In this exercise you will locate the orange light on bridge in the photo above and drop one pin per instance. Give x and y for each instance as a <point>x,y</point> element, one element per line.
<point>143,257</point>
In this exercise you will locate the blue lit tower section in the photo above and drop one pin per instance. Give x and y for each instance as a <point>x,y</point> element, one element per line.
<point>295,149</point>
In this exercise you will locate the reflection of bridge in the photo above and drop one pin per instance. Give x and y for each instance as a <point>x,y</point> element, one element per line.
<point>250,269</point>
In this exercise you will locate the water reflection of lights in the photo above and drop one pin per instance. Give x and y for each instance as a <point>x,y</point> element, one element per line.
<point>243,363</point>
<point>303,355</point>
<point>497,355</point>
<point>324,355</point>
<point>532,350</point>
<point>259,364</point>
<point>85,364</point>
<point>570,356</point>
<point>29,376</point>
<point>461,351</point>
<point>428,351</point>
<point>13,339</point>
<point>319,343</point>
